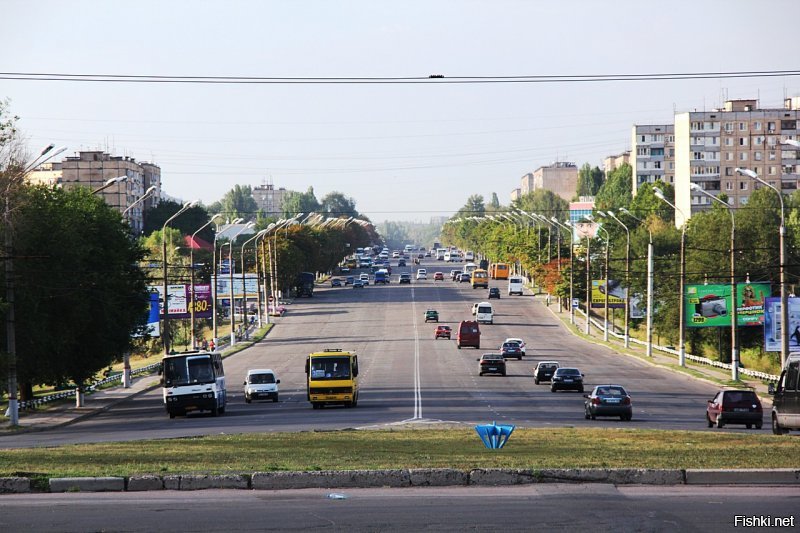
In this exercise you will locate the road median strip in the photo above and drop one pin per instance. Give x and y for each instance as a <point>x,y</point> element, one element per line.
<point>420,477</point>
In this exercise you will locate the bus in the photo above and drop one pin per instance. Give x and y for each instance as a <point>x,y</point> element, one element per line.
<point>332,378</point>
<point>499,271</point>
<point>479,278</point>
<point>440,253</point>
<point>193,381</point>
<point>469,267</point>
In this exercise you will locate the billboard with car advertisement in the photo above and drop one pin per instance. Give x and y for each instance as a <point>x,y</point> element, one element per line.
<point>708,306</point>
<point>179,297</point>
<point>616,294</point>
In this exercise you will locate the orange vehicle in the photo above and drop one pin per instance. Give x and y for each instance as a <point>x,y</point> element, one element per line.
<point>499,271</point>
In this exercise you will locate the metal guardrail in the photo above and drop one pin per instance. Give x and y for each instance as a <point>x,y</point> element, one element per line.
<point>36,402</point>
<point>695,358</point>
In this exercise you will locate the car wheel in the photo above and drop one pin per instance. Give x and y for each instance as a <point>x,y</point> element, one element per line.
<point>215,411</point>
<point>275,399</point>
<point>480,373</point>
<point>749,426</point>
<point>586,414</point>
<point>459,346</point>
<point>776,427</point>
<point>759,425</point>
<point>629,417</point>
<point>623,418</point>
<point>172,415</point>
<point>593,417</point>
<point>247,400</point>
<point>519,358</point>
<point>535,381</point>
<point>580,390</point>
<point>708,420</point>
<point>552,389</point>
<point>720,423</point>
<point>504,372</point>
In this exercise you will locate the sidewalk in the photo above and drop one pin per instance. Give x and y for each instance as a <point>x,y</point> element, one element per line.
<point>718,376</point>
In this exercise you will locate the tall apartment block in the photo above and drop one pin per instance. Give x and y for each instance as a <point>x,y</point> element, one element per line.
<point>710,145</point>
<point>93,169</point>
<point>269,199</point>
<point>560,178</point>
<point>613,162</point>
<point>652,155</point>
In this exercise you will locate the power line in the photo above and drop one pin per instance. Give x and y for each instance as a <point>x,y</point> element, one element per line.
<point>396,80</point>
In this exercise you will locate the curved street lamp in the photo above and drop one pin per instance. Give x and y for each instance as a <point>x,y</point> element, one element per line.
<point>216,282</point>
<point>192,303</point>
<point>611,214</point>
<point>782,234</point>
<point>230,270</point>
<point>166,332</point>
<point>605,306</point>
<point>109,182</point>
<point>150,190</point>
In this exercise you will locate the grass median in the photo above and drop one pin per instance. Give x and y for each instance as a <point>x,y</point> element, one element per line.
<point>418,448</point>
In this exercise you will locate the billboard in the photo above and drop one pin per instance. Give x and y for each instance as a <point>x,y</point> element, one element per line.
<point>224,286</point>
<point>772,324</point>
<point>179,297</point>
<point>708,306</point>
<point>616,294</point>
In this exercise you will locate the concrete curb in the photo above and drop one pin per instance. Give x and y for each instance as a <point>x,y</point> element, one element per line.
<point>422,477</point>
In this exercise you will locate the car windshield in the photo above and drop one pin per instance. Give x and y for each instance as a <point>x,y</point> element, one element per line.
<point>610,392</point>
<point>445,328</point>
<point>188,370</point>
<point>548,367</point>
<point>484,308</point>
<point>568,372</point>
<point>323,368</point>
<point>261,379</point>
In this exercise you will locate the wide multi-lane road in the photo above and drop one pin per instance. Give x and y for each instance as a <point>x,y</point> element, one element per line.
<point>406,375</point>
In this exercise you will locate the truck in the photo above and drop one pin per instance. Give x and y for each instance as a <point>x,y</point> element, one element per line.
<point>332,378</point>
<point>304,285</point>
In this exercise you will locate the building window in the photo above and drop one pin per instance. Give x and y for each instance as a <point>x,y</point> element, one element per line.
<point>742,156</point>
<point>657,164</point>
<point>672,152</point>
<point>788,124</point>
<point>729,171</point>
<point>671,165</point>
<point>728,141</point>
<point>641,151</point>
<point>758,140</point>
<point>742,141</point>
<point>772,155</point>
<point>772,171</point>
<point>643,139</point>
<point>697,156</point>
<point>742,126</point>
<point>728,185</point>
<point>771,126</point>
<point>742,185</point>
<point>728,156</point>
<point>729,127</point>
<point>757,126</point>
<point>757,156</point>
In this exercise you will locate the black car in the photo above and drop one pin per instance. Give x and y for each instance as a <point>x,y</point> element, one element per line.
<point>608,400</point>
<point>492,363</point>
<point>511,349</point>
<point>544,371</point>
<point>494,292</point>
<point>401,262</point>
<point>567,379</point>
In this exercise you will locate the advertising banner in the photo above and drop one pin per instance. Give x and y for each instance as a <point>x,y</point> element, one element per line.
<point>152,325</point>
<point>638,304</point>
<point>224,284</point>
<point>708,306</point>
<point>773,326</point>
<point>616,294</point>
<point>179,297</point>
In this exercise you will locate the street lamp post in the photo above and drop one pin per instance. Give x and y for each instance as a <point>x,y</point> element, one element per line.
<point>682,310</point>
<point>166,331</point>
<point>192,302</point>
<point>244,280</point>
<point>627,276</point>
<point>150,190</point>
<point>588,288</point>
<point>230,288</point>
<point>782,234</point>
<point>109,182</point>
<point>734,318</point>
<point>649,306</point>
<point>566,225</point>
<point>216,283</point>
<point>605,306</point>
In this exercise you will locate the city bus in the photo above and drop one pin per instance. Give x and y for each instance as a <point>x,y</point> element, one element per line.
<point>499,271</point>
<point>332,378</point>
<point>193,381</point>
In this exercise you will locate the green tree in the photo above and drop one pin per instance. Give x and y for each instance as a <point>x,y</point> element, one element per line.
<point>616,191</point>
<point>188,222</point>
<point>495,203</point>
<point>78,280</point>
<point>336,204</point>
<point>239,203</point>
<point>545,203</point>
<point>300,202</point>
<point>474,207</point>
<point>589,180</point>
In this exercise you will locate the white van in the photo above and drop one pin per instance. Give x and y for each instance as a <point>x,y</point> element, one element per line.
<point>469,255</point>
<point>515,285</point>
<point>484,313</point>
<point>261,384</point>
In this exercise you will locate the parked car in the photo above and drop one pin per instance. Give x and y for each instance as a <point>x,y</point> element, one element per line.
<point>432,314</point>
<point>492,363</point>
<point>438,276</point>
<point>336,282</point>
<point>511,349</point>
<point>405,278</point>
<point>422,274</point>
<point>261,384</point>
<point>786,397</point>
<point>442,331</point>
<point>358,284</point>
<point>735,407</point>
<point>469,334</point>
<point>567,379</point>
<point>544,371</point>
<point>608,400</point>
<point>494,292</point>
<point>519,341</point>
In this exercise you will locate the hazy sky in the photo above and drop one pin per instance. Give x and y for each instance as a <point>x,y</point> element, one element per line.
<point>403,152</point>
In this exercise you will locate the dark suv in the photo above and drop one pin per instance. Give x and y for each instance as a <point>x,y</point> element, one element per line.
<point>786,399</point>
<point>494,292</point>
<point>492,363</point>
<point>567,379</point>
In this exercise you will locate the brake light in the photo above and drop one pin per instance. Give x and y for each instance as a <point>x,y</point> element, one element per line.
<point>596,401</point>
<point>626,401</point>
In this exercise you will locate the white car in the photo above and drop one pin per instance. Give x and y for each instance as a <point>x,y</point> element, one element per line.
<point>364,278</point>
<point>422,274</point>
<point>517,339</point>
<point>261,384</point>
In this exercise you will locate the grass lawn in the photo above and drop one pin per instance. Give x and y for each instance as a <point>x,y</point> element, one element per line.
<point>408,448</point>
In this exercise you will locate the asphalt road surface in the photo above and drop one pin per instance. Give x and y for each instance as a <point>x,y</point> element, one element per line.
<point>407,376</point>
<point>546,507</point>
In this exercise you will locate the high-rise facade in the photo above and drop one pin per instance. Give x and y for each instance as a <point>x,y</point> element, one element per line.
<point>560,178</point>
<point>269,199</point>
<point>652,154</point>
<point>710,145</point>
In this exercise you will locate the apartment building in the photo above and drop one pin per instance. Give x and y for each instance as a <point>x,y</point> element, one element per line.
<point>515,194</point>
<point>613,162</point>
<point>560,177</point>
<point>269,199</point>
<point>652,155</point>
<point>710,145</point>
<point>93,168</point>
